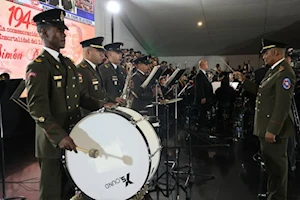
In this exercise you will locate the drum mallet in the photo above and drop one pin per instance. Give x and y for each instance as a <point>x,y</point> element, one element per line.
<point>126,159</point>
<point>93,153</point>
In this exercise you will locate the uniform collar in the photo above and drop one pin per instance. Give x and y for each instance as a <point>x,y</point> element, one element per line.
<point>277,63</point>
<point>141,72</point>
<point>204,72</point>
<point>53,53</point>
<point>92,64</point>
<point>114,65</point>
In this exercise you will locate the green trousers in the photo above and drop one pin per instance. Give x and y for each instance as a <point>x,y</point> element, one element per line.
<point>54,183</point>
<point>276,162</point>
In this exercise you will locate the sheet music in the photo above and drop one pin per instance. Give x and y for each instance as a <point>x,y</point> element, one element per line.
<point>171,77</point>
<point>151,75</point>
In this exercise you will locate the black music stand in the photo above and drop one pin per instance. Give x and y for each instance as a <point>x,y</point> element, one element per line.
<point>17,94</point>
<point>6,89</point>
<point>153,79</point>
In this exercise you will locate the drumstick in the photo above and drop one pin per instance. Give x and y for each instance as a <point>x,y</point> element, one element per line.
<point>226,64</point>
<point>94,153</point>
<point>126,159</point>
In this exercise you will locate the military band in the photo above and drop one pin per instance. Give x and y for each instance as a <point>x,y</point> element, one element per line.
<point>57,89</point>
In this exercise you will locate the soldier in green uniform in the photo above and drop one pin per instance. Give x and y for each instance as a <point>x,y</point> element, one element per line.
<point>113,75</point>
<point>93,55</point>
<point>54,97</point>
<point>273,122</point>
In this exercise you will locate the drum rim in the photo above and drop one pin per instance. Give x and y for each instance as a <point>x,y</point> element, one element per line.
<point>63,159</point>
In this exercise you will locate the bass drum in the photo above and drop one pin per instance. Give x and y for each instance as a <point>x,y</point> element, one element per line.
<point>129,154</point>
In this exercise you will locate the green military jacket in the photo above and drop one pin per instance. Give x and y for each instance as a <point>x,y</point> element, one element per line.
<point>54,97</point>
<point>113,80</point>
<point>90,80</point>
<point>273,102</point>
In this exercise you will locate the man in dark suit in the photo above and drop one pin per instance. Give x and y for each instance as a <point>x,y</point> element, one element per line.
<point>113,75</point>
<point>273,121</point>
<point>54,97</point>
<point>203,92</point>
<point>93,55</point>
<point>143,96</point>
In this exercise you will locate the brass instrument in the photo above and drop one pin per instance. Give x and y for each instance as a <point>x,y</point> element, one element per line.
<point>128,94</point>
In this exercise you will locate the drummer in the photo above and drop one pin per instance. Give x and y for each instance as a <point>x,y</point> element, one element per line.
<point>142,96</point>
<point>53,101</point>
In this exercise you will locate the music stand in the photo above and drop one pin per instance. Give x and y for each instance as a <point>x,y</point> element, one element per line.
<point>19,92</point>
<point>173,80</point>
<point>152,79</point>
<point>7,87</point>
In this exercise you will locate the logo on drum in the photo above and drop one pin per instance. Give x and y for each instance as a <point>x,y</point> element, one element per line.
<point>126,181</point>
<point>117,181</point>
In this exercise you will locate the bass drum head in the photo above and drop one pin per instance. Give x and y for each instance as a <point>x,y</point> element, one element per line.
<point>153,141</point>
<point>108,178</point>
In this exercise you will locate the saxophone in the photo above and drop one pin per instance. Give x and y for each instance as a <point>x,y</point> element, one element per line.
<point>127,93</point>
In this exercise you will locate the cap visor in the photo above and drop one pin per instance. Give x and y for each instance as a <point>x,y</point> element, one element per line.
<point>61,26</point>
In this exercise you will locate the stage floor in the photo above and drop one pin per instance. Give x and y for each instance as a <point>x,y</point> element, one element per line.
<point>236,174</point>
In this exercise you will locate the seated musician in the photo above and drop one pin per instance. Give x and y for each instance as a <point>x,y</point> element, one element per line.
<point>225,94</point>
<point>142,96</point>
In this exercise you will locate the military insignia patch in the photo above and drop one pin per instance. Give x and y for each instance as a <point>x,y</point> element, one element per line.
<point>80,78</point>
<point>30,74</point>
<point>38,60</point>
<point>281,68</point>
<point>62,16</point>
<point>286,83</point>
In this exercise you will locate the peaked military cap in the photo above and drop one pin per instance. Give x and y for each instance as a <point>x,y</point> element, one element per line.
<point>94,42</point>
<point>114,47</point>
<point>54,17</point>
<point>143,60</point>
<point>269,44</point>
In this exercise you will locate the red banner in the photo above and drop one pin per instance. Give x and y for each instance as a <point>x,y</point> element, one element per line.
<point>20,43</point>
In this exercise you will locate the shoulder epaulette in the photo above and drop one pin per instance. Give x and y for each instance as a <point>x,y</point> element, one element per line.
<point>70,59</point>
<point>39,59</point>
<point>281,68</point>
<point>82,66</point>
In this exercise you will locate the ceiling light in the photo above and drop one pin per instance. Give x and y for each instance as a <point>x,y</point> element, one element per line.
<point>199,23</point>
<point>113,7</point>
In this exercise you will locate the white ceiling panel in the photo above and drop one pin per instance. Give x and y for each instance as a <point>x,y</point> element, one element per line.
<point>169,27</point>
